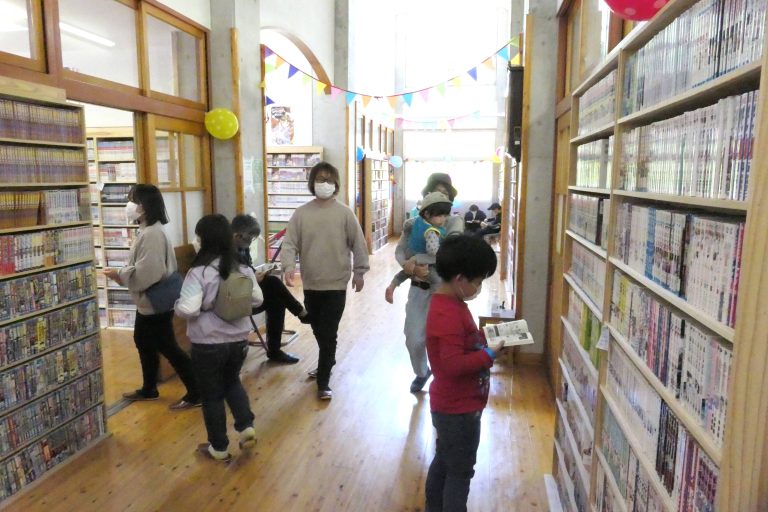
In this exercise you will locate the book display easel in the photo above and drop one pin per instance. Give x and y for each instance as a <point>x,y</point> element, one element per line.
<point>51,404</point>
<point>376,203</point>
<point>112,170</point>
<point>666,142</point>
<point>287,172</point>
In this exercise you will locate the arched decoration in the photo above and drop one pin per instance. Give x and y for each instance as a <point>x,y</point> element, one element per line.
<point>307,52</point>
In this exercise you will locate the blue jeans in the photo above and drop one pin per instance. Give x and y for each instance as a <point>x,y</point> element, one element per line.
<point>458,436</point>
<point>217,368</point>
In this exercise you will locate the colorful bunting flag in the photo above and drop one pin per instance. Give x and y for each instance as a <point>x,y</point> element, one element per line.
<point>451,123</point>
<point>335,91</point>
<point>320,87</point>
<point>504,53</point>
<point>270,101</point>
<point>268,52</point>
<point>489,63</point>
<point>424,94</point>
<point>408,98</point>
<point>366,100</point>
<point>305,79</point>
<point>441,88</point>
<point>350,97</point>
<point>392,101</point>
<point>473,73</point>
<point>268,67</point>
<point>456,82</point>
<point>292,70</point>
<point>279,62</point>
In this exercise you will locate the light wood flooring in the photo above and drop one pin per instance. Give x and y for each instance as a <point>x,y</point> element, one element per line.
<point>367,450</point>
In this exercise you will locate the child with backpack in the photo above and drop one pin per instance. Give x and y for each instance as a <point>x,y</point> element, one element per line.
<point>216,299</point>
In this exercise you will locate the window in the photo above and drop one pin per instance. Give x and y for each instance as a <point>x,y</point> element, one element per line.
<point>20,30</point>
<point>174,60</point>
<point>98,38</point>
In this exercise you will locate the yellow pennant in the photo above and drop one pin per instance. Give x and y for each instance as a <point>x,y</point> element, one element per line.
<point>320,87</point>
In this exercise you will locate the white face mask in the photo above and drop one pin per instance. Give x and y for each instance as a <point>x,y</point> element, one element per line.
<point>132,212</point>
<point>324,190</point>
<point>196,244</point>
<point>473,296</point>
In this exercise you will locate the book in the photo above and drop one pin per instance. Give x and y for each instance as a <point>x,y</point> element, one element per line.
<point>511,333</point>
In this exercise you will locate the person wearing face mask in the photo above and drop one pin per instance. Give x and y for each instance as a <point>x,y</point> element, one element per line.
<point>152,258</point>
<point>323,233</point>
<point>460,359</point>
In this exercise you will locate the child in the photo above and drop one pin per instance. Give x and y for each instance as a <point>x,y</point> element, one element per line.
<point>218,346</point>
<point>460,359</point>
<point>425,238</point>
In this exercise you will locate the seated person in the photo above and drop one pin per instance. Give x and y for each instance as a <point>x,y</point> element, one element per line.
<point>424,240</point>
<point>473,218</point>
<point>493,225</point>
<point>277,298</point>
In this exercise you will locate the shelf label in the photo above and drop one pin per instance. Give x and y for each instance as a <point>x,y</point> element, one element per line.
<point>602,343</point>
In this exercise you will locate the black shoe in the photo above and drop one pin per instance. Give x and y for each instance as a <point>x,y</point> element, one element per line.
<point>305,319</point>
<point>141,396</point>
<point>283,358</point>
<point>418,383</point>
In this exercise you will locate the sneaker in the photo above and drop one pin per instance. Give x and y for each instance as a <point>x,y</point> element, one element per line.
<point>324,394</point>
<point>283,358</point>
<point>140,396</point>
<point>418,383</point>
<point>207,450</point>
<point>184,404</point>
<point>247,438</point>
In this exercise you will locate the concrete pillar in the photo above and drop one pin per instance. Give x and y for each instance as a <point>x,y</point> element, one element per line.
<point>539,170</point>
<point>244,16</point>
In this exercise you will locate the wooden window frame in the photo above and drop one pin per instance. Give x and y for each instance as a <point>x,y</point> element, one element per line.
<point>37,42</point>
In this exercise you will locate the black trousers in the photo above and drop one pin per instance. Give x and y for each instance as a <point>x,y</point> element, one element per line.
<point>277,299</point>
<point>452,469</point>
<point>325,309</point>
<point>153,335</point>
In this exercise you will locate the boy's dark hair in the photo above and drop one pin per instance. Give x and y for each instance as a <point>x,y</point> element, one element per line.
<point>323,166</point>
<point>474,208</point>
<point>246,225</point>
<point>215,242</point>
<point>435,209</point>
<point>465,255</point>
<point>151,200</point>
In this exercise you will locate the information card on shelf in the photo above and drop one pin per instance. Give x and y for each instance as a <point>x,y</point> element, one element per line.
<point>511,333</point>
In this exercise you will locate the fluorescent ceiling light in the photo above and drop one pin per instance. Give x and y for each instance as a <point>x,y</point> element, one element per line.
<point>84,34</point>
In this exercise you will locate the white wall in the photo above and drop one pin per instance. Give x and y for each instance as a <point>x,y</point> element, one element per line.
<point>196,10</point>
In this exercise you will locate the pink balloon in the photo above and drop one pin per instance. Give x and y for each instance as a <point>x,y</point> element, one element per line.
<point>636,10</point>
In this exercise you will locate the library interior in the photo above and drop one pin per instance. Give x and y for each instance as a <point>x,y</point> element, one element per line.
<point>568,193</point>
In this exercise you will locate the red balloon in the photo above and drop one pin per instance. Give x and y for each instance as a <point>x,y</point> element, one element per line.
<point>636,10</point>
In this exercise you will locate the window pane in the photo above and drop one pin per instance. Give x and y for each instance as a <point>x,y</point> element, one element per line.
<point>195,210</point>
<point>167,159</point>
<point>175,226</point>
<point>15,26</point>
<point>98,38</point>
<point>173,60</point>
<point>191,159</point>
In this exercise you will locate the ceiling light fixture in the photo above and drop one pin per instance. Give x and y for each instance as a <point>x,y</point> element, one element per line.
<point>84,34</point>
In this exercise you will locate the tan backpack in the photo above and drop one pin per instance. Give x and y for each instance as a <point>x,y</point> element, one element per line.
<point>234,298</point>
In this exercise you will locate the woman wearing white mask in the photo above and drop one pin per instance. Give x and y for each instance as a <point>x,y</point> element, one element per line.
<point>152,258</point>
<point>323,233</point>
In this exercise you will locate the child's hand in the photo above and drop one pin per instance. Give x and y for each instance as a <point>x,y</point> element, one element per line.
<point>389,294</point>
<point>497,348</point>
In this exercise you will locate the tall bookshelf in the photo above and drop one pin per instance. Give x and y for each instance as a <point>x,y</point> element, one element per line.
<point>657,370</point>
<point>377,206</point>
<point>287,171</point>
<point>112,170</point>
<point>52,404</point>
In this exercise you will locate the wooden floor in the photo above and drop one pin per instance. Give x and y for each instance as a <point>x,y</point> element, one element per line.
<point>122,371</point>
<point>366,450</point>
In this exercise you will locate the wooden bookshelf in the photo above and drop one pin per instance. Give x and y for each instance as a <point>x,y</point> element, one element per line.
<point>612,485</point>
<point>59,404</point>
<point>376,204</point>
<point>742,481</point>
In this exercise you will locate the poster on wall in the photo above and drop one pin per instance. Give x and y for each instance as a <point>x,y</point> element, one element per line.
<point>281,125</point>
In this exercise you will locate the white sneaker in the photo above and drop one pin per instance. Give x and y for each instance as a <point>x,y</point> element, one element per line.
<point>247,438</point>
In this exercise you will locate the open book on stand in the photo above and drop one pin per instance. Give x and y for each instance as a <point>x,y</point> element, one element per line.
<point>512,333</point>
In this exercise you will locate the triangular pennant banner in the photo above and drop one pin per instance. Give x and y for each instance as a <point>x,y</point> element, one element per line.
<point>473,73</point>
<point>292,70</point>
<point>268,67</point>
<point>515,60</point>
<point>488,63</point>
<point>269,100</point>
<point>399,122</point>
<point>305,79</point>
<point>504,53</point>
<point>366,100</point>
<point>451,122</point>
<point>392,101</point>
<point>350,97</point>
<point>408,98</point>
<point>279,62</point>
<point>263,84</point>
<point>456,82</point>
<point>515,42</point>
<point>443,124</point>
<point>424,94</point>
<point>320,87</point>
<point>441,89</point>
<point>335,91</point>
<point>268,52</point>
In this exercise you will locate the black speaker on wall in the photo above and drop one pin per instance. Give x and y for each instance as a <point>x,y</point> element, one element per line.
<point>515,111</point>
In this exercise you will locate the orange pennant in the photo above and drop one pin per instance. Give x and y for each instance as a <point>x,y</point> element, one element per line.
<point>279,62</point>
<point>366,100</point>
<point>489,63</point>
<point>392,101</point>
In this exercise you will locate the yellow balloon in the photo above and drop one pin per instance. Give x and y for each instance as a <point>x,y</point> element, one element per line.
<point>221,123</point>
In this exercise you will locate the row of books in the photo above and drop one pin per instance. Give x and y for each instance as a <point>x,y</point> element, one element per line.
<point>586,325</point>
<point>565,486</point>
<point>112,257</point>
<point>288,174</point>
<point>578,487</point>
<point>695,256</point>
<point>32,164</point>
<point>286,187</point>
<point>121,149</point>
<point>588,217</point>
<point>597,106</point>
<point>282,201</point>
<point>582,376</point>
<point>41,416</point>
<point>292,159</point>
<point>118,237</point>
<point>121,171</point>
<point>703,153</point>
<point>31,463</point>
<point>27,251</point>
<point>121,318</point>
<point>21,120</point>
<point>588,270</point>
<point>708,40</point>
<point>33,379</point>
<point>113,193</point>
<point>594,163</point>
<point>693,364</point>
<point>30,294</point>
<point>582,434</point>
<point>630,476</point>
<point>29,337</point>
<point>605,499</point>
<point>112,216</point>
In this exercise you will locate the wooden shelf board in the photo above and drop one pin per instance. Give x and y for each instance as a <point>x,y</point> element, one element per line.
<point>596,249</point>
<point>581,469</point>
<point>579,405</point>
<point>584,355</point>
<point>608,64</point>
<point>590,190</point>
<point>599,133</point>
<point>583,296</point>
<point>44,269</point>
<point>637,447</point>
<point>686,417</point>
<point>678,302</point>
<point>294,149</point>
<point>116,160</point>
<point>564,472</point>
<point>704,202</point>
<point>44,227</point>
<point>31,142</point>
<point>618,498</point>
<point>69,184</point>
